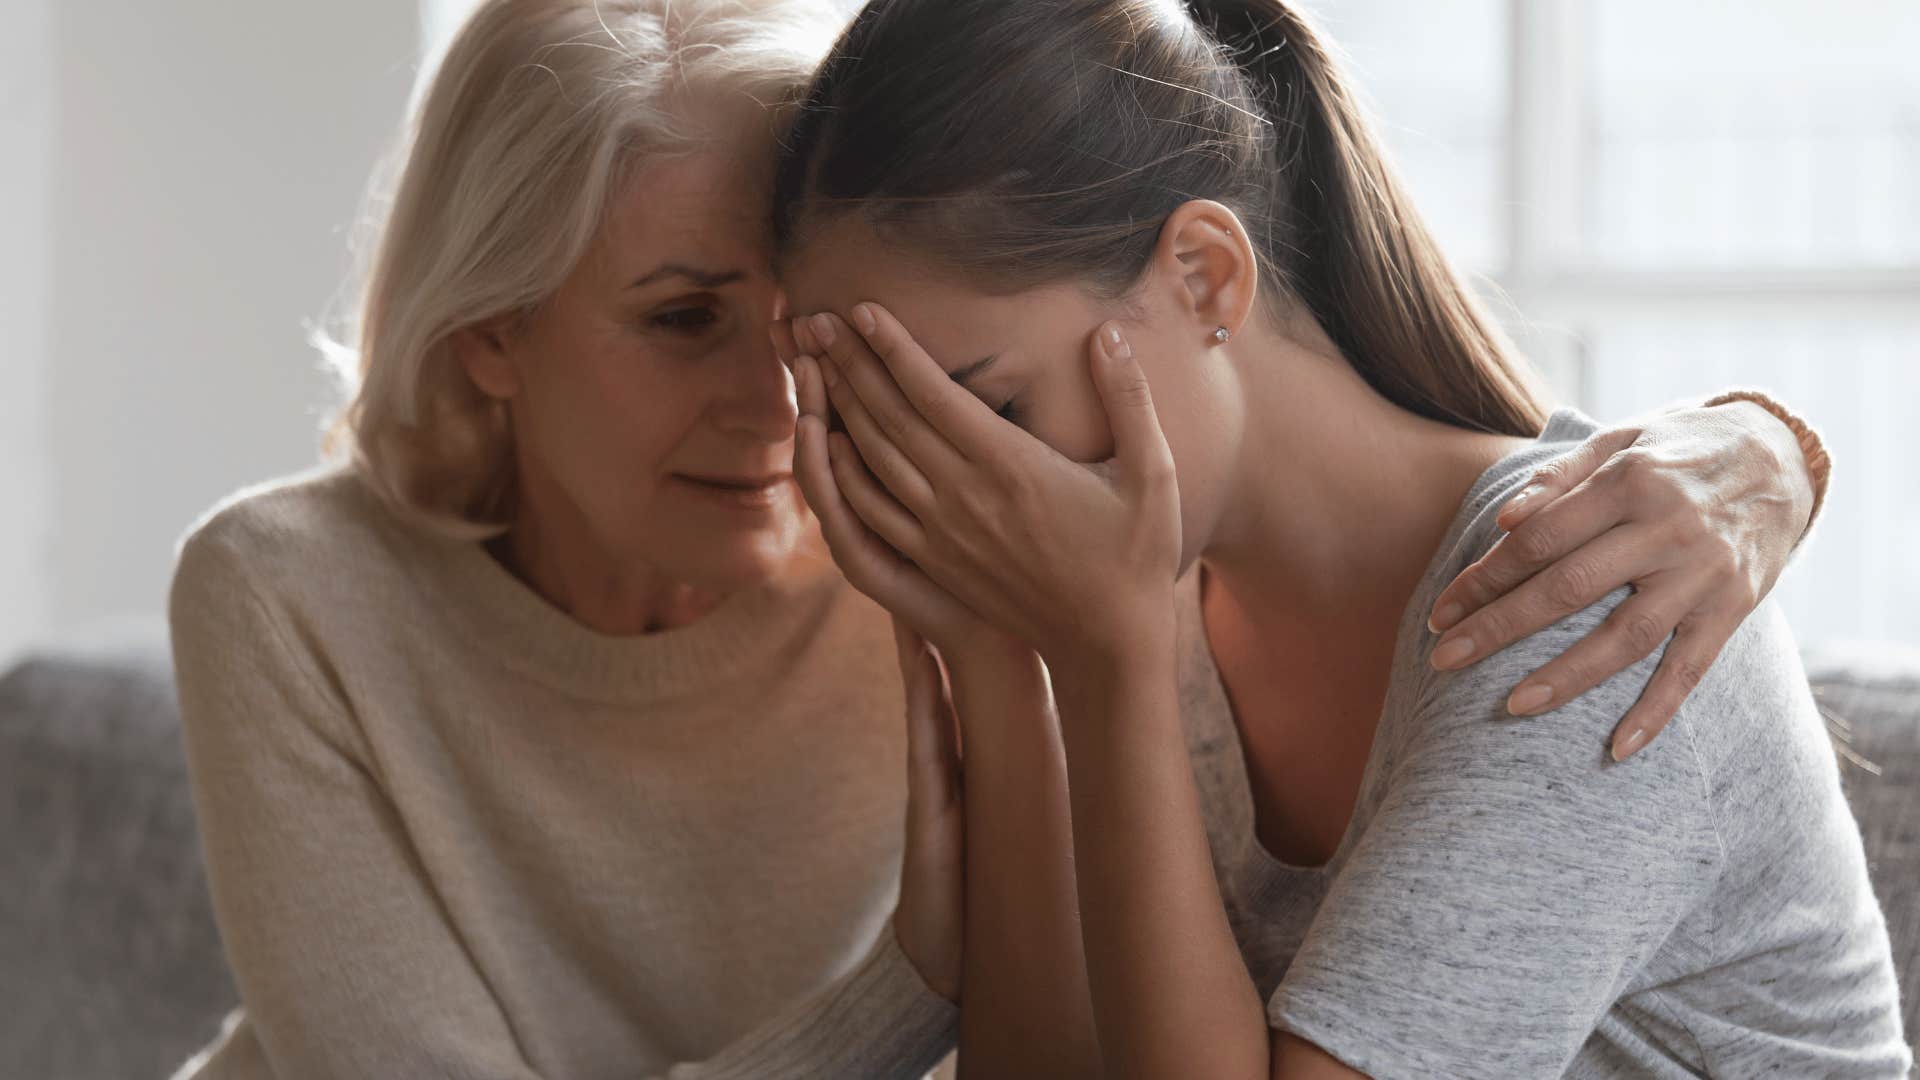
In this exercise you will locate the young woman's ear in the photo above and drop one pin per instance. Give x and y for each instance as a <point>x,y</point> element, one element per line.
<point>1210,264</point>
<point>483,354</point>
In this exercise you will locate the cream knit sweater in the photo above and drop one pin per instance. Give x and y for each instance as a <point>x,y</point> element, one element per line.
<point>450,832</point>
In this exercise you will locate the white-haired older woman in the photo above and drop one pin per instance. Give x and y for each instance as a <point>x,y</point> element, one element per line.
<point>539,738</point>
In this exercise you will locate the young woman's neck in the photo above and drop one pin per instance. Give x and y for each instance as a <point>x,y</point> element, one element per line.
<point>1341,531</point>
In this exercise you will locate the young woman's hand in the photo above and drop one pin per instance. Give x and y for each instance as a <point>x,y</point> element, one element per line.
<point>1697,510</point>
<point>929,918</point>
<point>832,488</point>
<point>1077,560</point>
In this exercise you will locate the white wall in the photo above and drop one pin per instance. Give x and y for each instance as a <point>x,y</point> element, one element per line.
<point>26,140</point>
<point>184,218</point>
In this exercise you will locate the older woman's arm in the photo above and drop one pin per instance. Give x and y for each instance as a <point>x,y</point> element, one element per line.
<point>345,962</point>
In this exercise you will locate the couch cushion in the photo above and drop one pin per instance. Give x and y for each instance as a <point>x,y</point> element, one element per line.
<point>110,965</point>
<point>109,962</point>
<point>1870,695</point>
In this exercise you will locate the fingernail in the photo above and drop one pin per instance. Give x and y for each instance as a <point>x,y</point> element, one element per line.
<point>823,329</point>
<point>1452,653</point>
<point>1624,747</point>
<point>1520,500</point>
<point>1117,346</point>
<point>1445,617</point>
<point>863,318</point>
<point>1528,699</point>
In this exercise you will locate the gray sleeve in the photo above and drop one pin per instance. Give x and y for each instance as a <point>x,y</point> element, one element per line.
<point>345,964</point>
<point>1510,881</point>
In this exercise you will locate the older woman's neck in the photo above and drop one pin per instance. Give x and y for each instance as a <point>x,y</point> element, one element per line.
<point>551,549</point>
<point>1343,496</point>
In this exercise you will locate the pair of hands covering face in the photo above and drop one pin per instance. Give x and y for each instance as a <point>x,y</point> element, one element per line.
<point>963,524</point>
<point>983,540</point>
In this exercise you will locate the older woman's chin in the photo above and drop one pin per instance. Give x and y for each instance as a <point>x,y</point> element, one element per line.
<point>739,554</point>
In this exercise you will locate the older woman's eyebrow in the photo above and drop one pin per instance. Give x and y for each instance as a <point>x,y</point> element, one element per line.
<point>705,279</point>
<point>962,374</point>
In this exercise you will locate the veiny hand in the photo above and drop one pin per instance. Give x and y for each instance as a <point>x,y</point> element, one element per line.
<point>1698,510</point>
<point>1071,558</point>
<point>929,918</point>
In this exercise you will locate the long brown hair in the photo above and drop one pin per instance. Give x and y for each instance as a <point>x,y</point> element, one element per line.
<point>1031,141</point>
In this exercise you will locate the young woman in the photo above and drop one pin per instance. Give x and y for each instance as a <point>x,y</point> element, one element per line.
<point>536,737</point>
<point>1012,217</point>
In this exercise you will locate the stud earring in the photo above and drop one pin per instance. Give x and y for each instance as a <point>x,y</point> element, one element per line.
<point>1223,335</point>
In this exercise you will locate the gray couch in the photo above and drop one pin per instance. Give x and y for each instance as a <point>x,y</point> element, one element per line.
<point>110,965</point>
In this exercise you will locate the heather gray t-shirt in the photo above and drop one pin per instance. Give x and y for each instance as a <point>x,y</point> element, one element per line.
<point>1507,901</point>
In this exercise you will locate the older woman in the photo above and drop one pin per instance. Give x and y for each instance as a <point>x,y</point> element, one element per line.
<point>538,738</point>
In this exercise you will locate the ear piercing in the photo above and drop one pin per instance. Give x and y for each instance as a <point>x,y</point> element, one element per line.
<point>1223,335</point>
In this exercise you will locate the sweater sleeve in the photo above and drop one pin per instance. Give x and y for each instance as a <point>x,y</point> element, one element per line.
<point>346,962</point>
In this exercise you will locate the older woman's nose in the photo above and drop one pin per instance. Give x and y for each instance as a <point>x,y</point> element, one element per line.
<point>756,397</point>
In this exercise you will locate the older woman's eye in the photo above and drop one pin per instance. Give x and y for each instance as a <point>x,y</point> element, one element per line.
<point>686,319</point>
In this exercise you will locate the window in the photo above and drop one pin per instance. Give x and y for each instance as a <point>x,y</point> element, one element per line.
<point>1666,199</point>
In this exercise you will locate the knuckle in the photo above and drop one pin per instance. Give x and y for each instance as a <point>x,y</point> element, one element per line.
<point>891,424</point>
<point>1573,584</point>
<point>931,406</point>
<point>1688,672</point>
<point>1536,542</point>
<point>1572,677</point>
<point>1134,391</point>
<point>1642,633</point>
<point>1638,473</point>
<point>1493,626</point>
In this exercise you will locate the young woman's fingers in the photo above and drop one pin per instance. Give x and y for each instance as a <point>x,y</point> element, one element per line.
<point>808,391</point>
<point>890,521</point>
<point>1633,630</point>
<point>1139,445</point>
<point>869,564</point>
<point>962,419</point>
<point>802,327</point>
<point>1695,646</point>
<point>867,378</point>
<point>1543,539</point>
<point>882,455</point>
<point>1563,474</point>
<point>1576,581</point>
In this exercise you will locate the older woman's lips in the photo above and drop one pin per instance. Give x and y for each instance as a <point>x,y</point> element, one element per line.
<point>745,492</point>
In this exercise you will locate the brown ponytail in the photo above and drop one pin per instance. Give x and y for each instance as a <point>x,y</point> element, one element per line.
<point>1031,141</point>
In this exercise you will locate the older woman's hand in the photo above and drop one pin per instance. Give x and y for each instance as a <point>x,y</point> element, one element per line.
<point>1697,510</point>
<point>929,919</point>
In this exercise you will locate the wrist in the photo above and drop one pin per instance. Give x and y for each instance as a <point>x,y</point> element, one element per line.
<point>997,677</point>
<point>1110,642</point>
<point>1126,666</point>
<point>1793,443</point>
